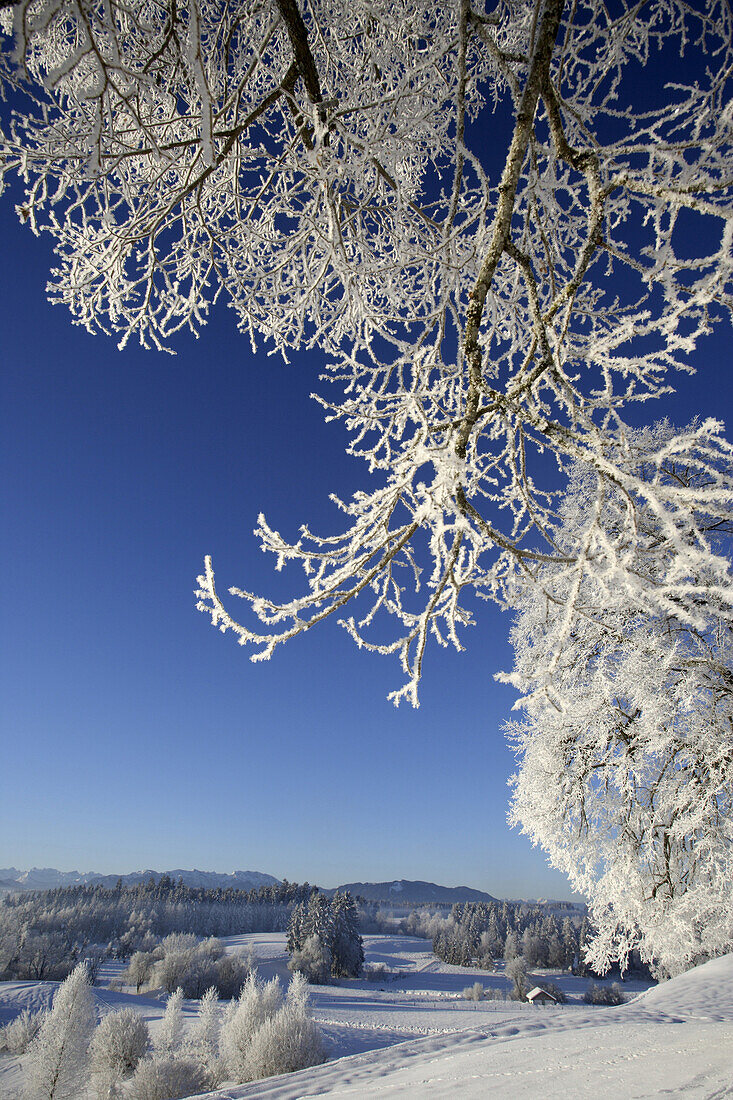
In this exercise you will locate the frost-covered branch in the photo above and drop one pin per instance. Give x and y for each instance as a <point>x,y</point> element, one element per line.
<point>484,216</point>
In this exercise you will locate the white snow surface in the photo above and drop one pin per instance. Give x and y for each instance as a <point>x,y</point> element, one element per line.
<point>415,1036</point>
<point>675,1039</point>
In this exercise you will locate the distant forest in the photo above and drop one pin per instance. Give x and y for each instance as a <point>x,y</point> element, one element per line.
<point>43,934</point>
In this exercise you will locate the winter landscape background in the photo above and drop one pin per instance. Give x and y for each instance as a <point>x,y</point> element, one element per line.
<point>491,245</point>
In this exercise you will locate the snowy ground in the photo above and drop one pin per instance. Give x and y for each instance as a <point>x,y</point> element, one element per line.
<point>415,1036</point>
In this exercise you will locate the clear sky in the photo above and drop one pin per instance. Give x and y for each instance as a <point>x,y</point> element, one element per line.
<point>134,735</point>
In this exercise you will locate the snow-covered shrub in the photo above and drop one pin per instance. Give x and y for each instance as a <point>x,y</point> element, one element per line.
<point>474,992</point>
<point>177,943</point>
<point>167,1077</point>
<point>138,969</point>
<point>289,1040</point>
<point>118,1044</point>
<point>169,1036</point>
<point>604,994</point>
<point>171,972</point>
<point>492,994</point>
<point>184,962</point>
<point>202,1041</point>
<point>312,959</point>
<point>232,972</point>
<point>57,1059</point>
<point>213,947</point>
<point>257,1003</point>
<point>17,1036</point>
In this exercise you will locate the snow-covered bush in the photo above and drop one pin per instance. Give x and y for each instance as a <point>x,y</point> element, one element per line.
<point>119,1042</point>
<point>138,969</point>
<point>169,1036</point>
<point>17,1036</point>
<point>243,1018</point>
<point>177,943</point>
<point>474,992</point>
<point>231,974</point>
<point>377,972</point>
<point>193,965</point>
<point>604,994</point>
<point>312,959</point>
<point>57,1059</point>
<point>289,1040</point>
<point>202,1040</point>
<point>167,1077</point>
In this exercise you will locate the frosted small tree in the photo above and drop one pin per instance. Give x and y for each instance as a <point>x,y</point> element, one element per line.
<point>56,1065</point>
<point>289,1040</point>
<point>169,1035</point>
<point>138,969</point>
<point>626,749</point>
<point>232,972</point>
<point>314,960</point>
<point>167,1077</point>
<point>119,1042</point>
<point>256,1004</point>
<point>516,969</point>
<point>202,1042</point>
<point>511,946</point>
<point>17,1036</point>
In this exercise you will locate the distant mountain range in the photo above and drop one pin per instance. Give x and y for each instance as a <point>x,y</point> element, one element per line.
<point>47,878</point>
<point>413,893</point>
<point>397,892</point>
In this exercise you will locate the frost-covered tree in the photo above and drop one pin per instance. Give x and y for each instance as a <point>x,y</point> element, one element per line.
<point>289,1040</point>
<point>17,1035</point>
<point>626,748</point>
<point>257,1003</point>
<point>168,1077</point>
<point>231,974</point>
<point>202,1041</point>
<point>169,1036</point>
<point>496,220</point>
<point>119,1042</point>
<point>517,970</point>
<point>56,1065</point>
<point>138,969</point>
<point>313,959</point>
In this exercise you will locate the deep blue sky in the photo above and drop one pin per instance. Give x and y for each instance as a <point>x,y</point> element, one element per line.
<point>134,734</point>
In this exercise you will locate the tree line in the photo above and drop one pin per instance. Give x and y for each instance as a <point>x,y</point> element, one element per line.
<point>475,934</point>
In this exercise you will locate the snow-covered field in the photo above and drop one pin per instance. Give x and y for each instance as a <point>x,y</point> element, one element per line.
<point>416,1036</point>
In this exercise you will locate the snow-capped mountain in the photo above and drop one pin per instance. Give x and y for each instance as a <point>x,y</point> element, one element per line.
<point>47,878</point>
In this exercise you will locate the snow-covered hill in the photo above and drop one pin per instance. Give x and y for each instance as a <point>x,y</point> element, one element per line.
<point>405,891</point>
<point>674,1040</point>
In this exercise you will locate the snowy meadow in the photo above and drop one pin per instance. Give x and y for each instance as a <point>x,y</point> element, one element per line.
<point>414,1033</point>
